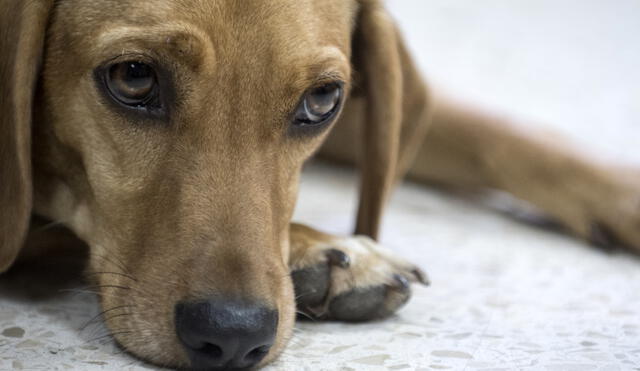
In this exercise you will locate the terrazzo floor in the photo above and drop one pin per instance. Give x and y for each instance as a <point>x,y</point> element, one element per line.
<point>505,296</point>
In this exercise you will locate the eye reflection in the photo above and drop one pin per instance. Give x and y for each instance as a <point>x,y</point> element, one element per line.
<point>319,105</point>
<point>132,83</point>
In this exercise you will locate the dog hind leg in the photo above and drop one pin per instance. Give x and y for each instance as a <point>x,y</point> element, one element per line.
<point>471,149</point>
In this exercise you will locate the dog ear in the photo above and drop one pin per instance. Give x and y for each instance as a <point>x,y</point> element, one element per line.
<point>378,66</point>
<point>22,32</point>
<point>397,110</point>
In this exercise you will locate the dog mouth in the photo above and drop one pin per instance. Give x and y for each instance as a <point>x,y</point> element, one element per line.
<point>211,334</point>
<point>212,309</point>
<point>203,332</point>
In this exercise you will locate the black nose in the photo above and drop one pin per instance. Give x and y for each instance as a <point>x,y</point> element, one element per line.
<point>218,334</point>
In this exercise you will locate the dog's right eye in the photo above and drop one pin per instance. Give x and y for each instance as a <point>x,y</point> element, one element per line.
<point>133,84</point>
<point>319,105</point>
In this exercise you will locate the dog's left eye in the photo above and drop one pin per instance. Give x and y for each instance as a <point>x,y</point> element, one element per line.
<point>132,83</point>
<point>319,105</point>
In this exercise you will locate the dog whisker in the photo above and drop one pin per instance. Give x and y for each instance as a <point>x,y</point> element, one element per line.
<point>109,287</point>
<point>81,291</point>
<point>94,318</point>
<point>112,273</point>
<point>111,334</point>
<point>120,265</point>
<point>117,315</point>
<point>85,291</point>
<point>102,325</point>
<point>98,328</point>
<point>306,315</point>
<point>301,295</point>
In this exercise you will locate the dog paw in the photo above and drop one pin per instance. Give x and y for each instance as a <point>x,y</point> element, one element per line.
<point>611,216</point>
<point>352,279</point>
<point>618,224</point>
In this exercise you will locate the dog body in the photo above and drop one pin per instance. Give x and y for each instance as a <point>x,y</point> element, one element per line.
<point>169,137</point>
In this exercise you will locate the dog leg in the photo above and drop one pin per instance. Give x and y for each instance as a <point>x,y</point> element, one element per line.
<point>347,278</point>
<point>596,201</point>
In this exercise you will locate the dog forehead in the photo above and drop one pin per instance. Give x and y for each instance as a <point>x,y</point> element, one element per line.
<point>291,17</point>
<point>289,22</point>
<point>285,37</point>
<point>280,31</point>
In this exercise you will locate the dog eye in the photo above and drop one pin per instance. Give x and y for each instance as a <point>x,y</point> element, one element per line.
<point>319,105</point>
<point>132,83</point>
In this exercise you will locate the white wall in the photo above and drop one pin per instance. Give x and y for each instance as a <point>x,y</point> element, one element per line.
<point>571,64</point>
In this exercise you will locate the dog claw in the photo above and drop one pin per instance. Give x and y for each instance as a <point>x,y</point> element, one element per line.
<point>400,283</point>
<point>602,238</point>
<point>421,276</point>
<point>338,258</point>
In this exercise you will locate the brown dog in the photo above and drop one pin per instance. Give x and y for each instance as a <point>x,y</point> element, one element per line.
<point>169,137</point>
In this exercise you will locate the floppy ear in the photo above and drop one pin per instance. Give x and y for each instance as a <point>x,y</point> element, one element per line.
<point>22,29</point>
<point>397,110</point>
<point>376,60</point>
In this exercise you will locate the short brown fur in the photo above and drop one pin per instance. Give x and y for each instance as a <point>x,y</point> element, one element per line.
<point>216,183</point>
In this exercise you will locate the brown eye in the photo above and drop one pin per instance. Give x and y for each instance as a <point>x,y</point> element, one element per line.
<point>319,105</point>
<point>132,83</point>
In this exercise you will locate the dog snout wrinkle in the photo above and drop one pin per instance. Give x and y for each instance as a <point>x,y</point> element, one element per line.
<point>225,335</point>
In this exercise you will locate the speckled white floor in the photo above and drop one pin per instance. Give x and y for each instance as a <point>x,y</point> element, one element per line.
<point>505,296</point>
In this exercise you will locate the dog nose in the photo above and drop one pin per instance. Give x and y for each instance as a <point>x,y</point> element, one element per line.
<point>225,335</point>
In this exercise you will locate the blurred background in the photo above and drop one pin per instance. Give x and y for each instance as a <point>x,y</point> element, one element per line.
<point>505,296</point>
<point>570,64</point>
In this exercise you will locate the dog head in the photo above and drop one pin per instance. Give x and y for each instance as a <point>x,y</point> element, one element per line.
<point>170,135</point>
